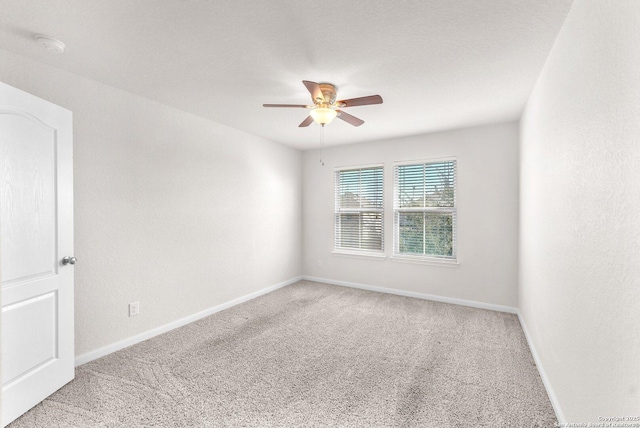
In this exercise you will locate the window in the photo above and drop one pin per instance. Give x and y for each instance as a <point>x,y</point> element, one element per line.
<point>359,216</point>
<point>425,210</point>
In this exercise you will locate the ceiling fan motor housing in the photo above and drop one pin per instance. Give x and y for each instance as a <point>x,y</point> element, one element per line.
<point>329,92</point>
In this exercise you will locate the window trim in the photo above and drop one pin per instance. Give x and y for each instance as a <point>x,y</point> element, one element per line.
<point>348,251</point>
<point>367,254</point>
<point>396,256</point>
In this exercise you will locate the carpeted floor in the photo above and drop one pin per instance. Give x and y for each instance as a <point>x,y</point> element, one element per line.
<point>313,354</point>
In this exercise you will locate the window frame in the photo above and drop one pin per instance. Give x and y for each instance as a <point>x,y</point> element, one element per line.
<point>425,258</point>
<point>341,210</point>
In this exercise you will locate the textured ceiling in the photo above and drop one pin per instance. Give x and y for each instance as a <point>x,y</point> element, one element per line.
<point>437,64</point>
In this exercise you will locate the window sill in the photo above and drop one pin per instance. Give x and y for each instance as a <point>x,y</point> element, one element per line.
<point>357,254</point>
<point>426,261</point>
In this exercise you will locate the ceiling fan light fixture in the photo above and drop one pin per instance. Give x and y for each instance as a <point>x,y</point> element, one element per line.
<point>323,116</point>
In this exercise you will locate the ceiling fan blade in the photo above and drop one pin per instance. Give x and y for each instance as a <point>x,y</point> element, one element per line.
<point>362,101</point>
<point>349,119</point>
<point>308,121</point>
<point>285,105</point>
<point>314,90</point>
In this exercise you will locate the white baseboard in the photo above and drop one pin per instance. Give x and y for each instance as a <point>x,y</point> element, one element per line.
<point>443,299</point>
<point>545,380</point>
<point>106,350</point>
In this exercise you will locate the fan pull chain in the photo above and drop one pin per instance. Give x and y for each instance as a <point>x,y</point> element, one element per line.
<point>322,145</point>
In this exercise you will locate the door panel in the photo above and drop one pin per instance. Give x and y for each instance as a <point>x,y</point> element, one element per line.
<point>28,199</point>
<point>36,232</point>
<point>37,340</point>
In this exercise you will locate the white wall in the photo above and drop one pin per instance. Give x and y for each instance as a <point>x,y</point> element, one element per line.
<point>171,210</point>
<point>580,212</point>
<point>487,215</point>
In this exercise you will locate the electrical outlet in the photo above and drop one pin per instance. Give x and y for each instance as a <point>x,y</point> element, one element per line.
<point>319,263</point>
<point>134,309</point>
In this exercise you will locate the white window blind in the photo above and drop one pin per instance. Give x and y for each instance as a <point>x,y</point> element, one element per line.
<point>359,216</point>
<point>425,210</point>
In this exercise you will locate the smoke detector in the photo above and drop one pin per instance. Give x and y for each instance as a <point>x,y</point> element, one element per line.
<point>50,43</point>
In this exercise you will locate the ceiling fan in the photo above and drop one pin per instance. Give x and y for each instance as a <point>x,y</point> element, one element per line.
<point>325,108</point>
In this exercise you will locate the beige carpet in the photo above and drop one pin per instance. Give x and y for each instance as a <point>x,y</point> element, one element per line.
<point>313,354</point>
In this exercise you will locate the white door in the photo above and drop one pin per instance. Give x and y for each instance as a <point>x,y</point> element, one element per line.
<point>36,233</point>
